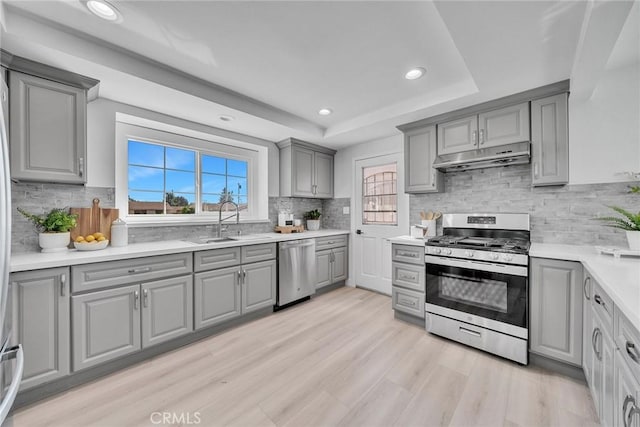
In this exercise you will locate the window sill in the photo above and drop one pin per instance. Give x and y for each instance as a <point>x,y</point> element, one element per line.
<point>135,222</point>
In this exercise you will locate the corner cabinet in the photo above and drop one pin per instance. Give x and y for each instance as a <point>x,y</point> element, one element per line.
<point>40,317</point>
<point>556,309</point>
<point>550,140</point>
<point>419,155</point>
<point>306,170</point>
<point>48,129</point>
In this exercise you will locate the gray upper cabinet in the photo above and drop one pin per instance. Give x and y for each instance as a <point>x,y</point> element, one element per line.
<point>556,309</point>
<point>258,286</point>
<point>47,130</point>
<point>167,309</point>
<point>488,129</point>
<point>419,154</point>
<point>550,140</point>
<point>40,310</point>
<point>217,296</point>
<point>106,325</point>
<point>306,170</point>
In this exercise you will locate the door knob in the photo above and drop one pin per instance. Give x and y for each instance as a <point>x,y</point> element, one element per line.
<point>359,232</point>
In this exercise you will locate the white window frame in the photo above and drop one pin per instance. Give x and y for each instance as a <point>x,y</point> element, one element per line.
<point>172,136</point>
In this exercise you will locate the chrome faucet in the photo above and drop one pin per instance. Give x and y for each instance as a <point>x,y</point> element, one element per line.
<point>220,219</point>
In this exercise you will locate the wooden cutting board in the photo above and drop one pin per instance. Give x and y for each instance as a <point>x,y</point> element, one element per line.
<point>94,219</point>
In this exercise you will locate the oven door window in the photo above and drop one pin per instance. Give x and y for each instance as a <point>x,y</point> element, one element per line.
<point>495,296</point>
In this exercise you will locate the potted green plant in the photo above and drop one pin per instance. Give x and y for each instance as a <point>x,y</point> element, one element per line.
<point>313,219</point>
<point>629,222</point>
<point>54,228</point>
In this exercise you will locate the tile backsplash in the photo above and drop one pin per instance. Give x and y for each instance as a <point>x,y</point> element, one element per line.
<point>559,214</point>
<point>41,197</point>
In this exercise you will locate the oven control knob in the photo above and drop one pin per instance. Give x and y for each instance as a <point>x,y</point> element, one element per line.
<point>494,256</point>
<point>468,253</point>
<point>447,251</point>
<point>437,250</point>
<point>507,257</point>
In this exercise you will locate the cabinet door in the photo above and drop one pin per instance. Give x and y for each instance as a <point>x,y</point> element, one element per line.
<point>302,169</point>
<point>48,130</point>
<point>504,126</point>
<point>217,296</point>
<point>550,140</point>
<point>419,155</point>
<point>339,265</point>
<point>587,327</point>
<point>627,394</point>
<point>106,325</point>
<point>556,309</point>
<point>323,182</point>
<point>258,286</point>
<point>602,384</point>
<point>167,309</point>
<point>323,268</point>
<point>41,323</point>
<point>458,135</point>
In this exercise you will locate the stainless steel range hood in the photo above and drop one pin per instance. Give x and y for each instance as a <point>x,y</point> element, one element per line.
<point>511,154</point>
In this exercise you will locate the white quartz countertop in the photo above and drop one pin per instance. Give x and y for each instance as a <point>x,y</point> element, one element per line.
<point>37,260</point>
<point>619,277</point>
<point>408,240</point>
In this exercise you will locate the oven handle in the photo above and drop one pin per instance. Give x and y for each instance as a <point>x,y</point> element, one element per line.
<point>514,270</point>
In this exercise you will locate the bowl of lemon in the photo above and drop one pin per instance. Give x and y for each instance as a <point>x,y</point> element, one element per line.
<point>91,242</point>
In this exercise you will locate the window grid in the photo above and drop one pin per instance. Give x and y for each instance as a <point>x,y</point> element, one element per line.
<point>379,200</point>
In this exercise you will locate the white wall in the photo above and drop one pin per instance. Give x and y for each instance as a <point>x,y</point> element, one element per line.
<point>101,127</point>
<point>343,163</point>
<point>604,130</point>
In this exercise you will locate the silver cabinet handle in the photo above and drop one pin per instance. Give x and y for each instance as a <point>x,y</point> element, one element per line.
<point>136,299</point>
<point>597,298</point>
<point>145,298</point>
<point>535,169</point>
<point>584,287</point>
<point>406,276</point>
<point>63,284</point>
<point>474,136</point>
<point>139,270</point>
<point>433,180</point>
<point>81,166</point>
<point>632,352</point>
<point>409,254</point>
<point>239,277</point>
<point>481,136</point>
<point>627,419</point>
<point>470,332</point>
<point>594,342</point>
<point>244,275</point>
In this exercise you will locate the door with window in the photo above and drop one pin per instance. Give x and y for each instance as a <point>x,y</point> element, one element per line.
<point>381,211</point>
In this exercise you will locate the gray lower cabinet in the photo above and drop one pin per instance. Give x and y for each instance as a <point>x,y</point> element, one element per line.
<point>48,130</point>
<point>106,325</point>
<point>167,309</point>
<point>602,378</point>
<point>419,154</point>
<point>222,294</point>
<point>627,395</point>
<point>115,322</point>
<point>408,279</point>
<point>556,294</point>
<point>40,311</point>
<point>550,140</point>
<point>332,265</point>
<point>587,326</point>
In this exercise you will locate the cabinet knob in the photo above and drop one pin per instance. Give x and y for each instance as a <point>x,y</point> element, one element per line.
<point>632,351</point>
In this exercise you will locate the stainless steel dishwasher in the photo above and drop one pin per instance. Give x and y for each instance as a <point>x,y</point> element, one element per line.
<point>296,270</point>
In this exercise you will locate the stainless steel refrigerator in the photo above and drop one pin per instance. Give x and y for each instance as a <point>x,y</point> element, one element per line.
<point>11,358</point>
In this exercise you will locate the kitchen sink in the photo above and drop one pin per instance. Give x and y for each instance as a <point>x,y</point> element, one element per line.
<point>244,238</point>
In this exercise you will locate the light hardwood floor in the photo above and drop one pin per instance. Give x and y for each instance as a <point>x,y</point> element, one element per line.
<point>339,359</point>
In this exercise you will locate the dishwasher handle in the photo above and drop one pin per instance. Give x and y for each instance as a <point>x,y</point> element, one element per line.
<point>301,244</point>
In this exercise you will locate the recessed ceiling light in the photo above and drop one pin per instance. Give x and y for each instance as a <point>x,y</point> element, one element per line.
<point>103,9</point>
<point>325,111</point>
<point>415,73</point>
<point>226,118</point>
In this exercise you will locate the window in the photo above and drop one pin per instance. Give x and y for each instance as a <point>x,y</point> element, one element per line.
<point>177,178</point>
<point>379,195</point>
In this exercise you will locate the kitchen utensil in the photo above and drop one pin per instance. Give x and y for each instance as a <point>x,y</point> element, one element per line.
<point>423,215</point>
<point>94,219</point>
<point>429,215</point>
<point>437,215</point>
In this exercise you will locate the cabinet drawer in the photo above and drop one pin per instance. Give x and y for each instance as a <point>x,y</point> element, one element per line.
<point>407,253</point>
<point>114,273</point>
<point>216,258</point>
<point>409,276</point>
<point>603,305</point>
<point>410,302</point>
<point>330,242</point>
<point>255,253</point>
<point>628,340</point>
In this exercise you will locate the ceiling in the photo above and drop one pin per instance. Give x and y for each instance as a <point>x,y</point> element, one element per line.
<point>273,64</point>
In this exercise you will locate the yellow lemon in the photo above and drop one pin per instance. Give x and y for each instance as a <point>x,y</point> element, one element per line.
<point>101,238</point>
<point>98,235</point>
<point>80,239</point>
<point>89,238</point>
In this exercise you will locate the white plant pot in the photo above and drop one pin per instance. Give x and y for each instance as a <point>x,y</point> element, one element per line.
<point>54,242</point>
<point>633,238</point>
<point>313,224</point>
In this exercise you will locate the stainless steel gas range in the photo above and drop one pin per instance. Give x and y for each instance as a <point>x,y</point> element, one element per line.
<point>477,282</point>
